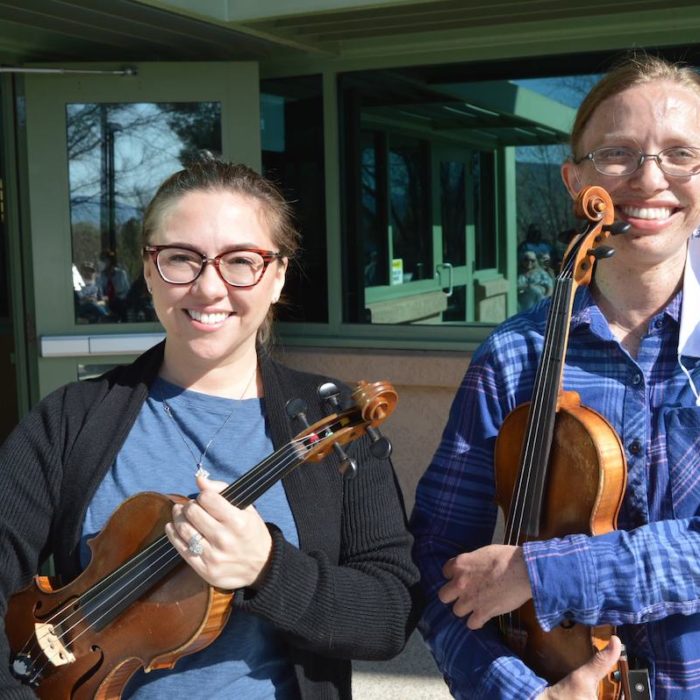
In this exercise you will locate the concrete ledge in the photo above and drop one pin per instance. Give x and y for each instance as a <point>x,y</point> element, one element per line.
<point>416,307</point>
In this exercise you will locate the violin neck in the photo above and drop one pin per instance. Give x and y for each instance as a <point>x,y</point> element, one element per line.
<point>246,490</point>
<point>526,506</point>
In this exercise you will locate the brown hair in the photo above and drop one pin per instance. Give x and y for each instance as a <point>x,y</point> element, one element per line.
<point>210,175</point>
<point>636,69</point>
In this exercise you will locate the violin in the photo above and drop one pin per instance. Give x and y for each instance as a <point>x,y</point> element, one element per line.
<point>137,604</point>
<point>560,466</point>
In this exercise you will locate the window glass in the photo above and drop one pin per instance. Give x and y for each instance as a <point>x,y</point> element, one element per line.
<point>118,154</point>
<point>373,206</point>
<point>447,182</point>
<point>409,206</point>
<point>453,199</point>
<point>292,156</point>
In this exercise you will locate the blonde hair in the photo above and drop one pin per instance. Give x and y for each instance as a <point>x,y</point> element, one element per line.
<point>211,175</point>
<point>637,69</point>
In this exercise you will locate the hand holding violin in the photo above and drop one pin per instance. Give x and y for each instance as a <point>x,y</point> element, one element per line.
<point>493,581</point>
<point>485,583</point>
<point>235,543</point>
<point>582,683</point>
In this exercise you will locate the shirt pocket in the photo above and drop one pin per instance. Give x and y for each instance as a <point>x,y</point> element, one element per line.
<point>683,452</point>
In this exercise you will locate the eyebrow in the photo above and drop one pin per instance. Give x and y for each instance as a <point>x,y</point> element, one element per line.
<point>196,249</point>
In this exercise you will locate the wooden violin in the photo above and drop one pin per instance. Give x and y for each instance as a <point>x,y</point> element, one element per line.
<point>560,466</point>
<point>138,604</point>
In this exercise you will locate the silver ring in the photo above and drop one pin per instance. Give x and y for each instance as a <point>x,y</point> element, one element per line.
<point>195,545</point>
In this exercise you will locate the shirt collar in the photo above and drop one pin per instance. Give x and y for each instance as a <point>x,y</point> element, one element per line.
<point>689,335</point>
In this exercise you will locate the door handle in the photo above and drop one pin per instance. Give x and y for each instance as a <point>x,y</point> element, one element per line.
<point>438,269</point>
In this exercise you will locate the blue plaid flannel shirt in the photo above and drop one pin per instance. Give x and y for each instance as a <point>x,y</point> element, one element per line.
<point>645,576</point>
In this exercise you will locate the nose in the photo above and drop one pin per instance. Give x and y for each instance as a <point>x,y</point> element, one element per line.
<point>650,176</point>
<point>209,283</point>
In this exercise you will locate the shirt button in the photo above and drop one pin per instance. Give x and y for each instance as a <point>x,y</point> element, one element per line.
<point>635,448</point>
<point>658,323</point>
<point>636,379</point>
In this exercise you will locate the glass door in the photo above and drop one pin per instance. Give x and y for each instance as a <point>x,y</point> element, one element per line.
<point>454,244</point>
<point>98,146</point>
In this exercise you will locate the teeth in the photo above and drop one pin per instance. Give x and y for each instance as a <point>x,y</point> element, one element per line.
<point>208,319</point>
<point>648,212</point>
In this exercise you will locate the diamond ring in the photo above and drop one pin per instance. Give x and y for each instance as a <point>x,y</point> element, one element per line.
<point>195,544</point>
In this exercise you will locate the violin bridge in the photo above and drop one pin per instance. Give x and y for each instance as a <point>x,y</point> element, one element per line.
<point>53,648</point>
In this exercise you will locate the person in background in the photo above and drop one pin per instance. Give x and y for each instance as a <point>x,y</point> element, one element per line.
<point>90,306</point>
<point>545,262</point>
<point>320,565</point>
<point>113,283</point>
<point>634,356</point>
<point>534,284</point>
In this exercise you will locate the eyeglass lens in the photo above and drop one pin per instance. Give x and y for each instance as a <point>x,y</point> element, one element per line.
<point>238,267</point>
<point>679,161</point>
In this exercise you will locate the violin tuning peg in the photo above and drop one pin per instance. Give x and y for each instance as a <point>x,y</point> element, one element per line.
<point>329,392</point>
<point>602,252</point>
<point>296,409</point>
<point>380,446</point>
<point>348,468</point>
<point>617,227</point>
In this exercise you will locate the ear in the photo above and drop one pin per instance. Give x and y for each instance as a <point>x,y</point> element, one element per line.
<point>572,182</point>
<point>280,278</point>
<point>147,273</point>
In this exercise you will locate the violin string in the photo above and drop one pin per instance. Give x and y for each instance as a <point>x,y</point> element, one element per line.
<point>546,391</point>
<point>541,397</point>
<point>162,546</point>
<point>156,549</point>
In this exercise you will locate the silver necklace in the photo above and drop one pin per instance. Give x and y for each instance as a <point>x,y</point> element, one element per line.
<point>199,463</point>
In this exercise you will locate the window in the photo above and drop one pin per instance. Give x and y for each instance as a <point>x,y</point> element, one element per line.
<point>117,156</point>
<point>446,182</point>
<point>292,156</point>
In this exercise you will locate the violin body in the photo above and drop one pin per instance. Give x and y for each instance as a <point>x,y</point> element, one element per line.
<point>106,657</point>
<point>586,481</point>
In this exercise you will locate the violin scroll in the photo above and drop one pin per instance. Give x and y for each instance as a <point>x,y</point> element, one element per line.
<point>594,204</point>
<point>377,401</point>
<point>370,405</point>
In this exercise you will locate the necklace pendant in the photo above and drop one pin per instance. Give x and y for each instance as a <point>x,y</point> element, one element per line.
<point>201,471</point>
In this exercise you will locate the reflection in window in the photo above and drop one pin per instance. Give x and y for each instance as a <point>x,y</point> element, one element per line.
<point>442,178</point>
<point>118,154</point>
<point>484,197</point>
<point>412,254</point>
<point>292,156</point>
<point>373,209</point>
<point>454,212</point>
<point>544,208</point>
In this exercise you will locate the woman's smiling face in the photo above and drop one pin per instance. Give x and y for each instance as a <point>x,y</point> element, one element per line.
<point>208,320</point>
<point>662,210</point>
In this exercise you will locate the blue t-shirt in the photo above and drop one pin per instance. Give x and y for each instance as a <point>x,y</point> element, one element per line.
<point>248,660</point>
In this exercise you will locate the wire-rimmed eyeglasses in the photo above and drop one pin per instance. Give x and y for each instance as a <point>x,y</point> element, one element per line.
<point>676,161</point>
<point>237,268</point>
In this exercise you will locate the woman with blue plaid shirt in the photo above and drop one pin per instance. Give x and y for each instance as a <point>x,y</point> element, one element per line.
<point>634,356</point>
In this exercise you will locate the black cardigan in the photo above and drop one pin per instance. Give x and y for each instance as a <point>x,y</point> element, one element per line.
<point>348,592</point>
